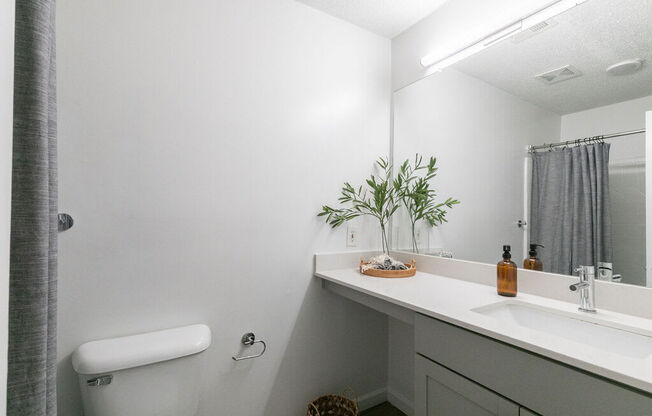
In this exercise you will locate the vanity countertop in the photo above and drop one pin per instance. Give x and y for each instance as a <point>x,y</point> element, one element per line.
<point>452,300</point>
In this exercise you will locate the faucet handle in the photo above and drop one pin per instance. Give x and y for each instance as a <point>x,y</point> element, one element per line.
<point>585,270</point>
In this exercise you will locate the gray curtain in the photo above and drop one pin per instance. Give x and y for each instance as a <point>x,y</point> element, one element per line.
<point>570,207</point>
<point>31,388</point>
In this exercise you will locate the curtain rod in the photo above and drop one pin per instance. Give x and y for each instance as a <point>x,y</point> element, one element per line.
<point>532,148</point>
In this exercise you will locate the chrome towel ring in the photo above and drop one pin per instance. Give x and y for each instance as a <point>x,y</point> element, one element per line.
<point>248,340</point>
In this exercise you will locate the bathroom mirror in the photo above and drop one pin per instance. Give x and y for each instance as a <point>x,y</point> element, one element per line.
<point>496,121</point>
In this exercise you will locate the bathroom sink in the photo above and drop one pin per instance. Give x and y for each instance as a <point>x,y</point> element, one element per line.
<point>604,335</point>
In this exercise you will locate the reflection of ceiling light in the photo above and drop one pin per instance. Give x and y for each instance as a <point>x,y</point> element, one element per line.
<point>521,25</point>
<point>534,30</point>
<point>549,12</point>
<point>627,67</point>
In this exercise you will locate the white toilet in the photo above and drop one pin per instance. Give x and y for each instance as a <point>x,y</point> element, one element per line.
<point>152,374</point>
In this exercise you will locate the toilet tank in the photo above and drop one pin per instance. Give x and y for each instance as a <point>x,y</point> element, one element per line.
<point>151,374</point>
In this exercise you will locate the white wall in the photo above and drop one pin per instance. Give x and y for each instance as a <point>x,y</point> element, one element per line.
<point>198,141</point>
<point>614,118</point>
<point>453,26</point>
<point>626,178</point>
<point>648,206</point>
<point>6,123</point>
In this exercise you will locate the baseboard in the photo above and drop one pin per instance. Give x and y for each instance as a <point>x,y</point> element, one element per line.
<point>401,402</point>
<point>372,399</point>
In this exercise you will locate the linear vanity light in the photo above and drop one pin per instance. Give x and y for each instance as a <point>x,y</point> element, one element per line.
<point>521,25</point>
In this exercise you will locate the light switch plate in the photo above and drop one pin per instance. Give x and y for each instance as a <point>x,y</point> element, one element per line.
<point>351,236</point>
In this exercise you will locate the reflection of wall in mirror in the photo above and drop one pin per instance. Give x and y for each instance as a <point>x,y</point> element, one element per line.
<point>479,134</point>
<point>648,205</point>
<point>626,178</point>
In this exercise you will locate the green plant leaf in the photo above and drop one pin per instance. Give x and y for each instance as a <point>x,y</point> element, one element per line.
<point>379,199</point>
<point>413,189</point>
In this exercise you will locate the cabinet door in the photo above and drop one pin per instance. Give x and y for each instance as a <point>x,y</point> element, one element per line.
<point>441,392</point>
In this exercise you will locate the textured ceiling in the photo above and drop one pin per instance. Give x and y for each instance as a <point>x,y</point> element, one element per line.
<point>387,18</point>
<point>590,37</point>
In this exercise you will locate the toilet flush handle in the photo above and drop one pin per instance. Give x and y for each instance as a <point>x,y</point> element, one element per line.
<point>100,381</point>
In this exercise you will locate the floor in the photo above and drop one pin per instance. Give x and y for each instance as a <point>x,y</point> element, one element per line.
<point>384,409</point>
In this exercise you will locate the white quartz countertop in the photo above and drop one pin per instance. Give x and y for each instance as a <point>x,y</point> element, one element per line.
<point>452,300</point>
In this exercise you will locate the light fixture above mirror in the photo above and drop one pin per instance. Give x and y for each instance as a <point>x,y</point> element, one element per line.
<point>529,22</point>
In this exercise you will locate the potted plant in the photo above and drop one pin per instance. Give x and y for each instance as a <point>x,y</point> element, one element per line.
<point>412,188</point>
<point>377,199</point>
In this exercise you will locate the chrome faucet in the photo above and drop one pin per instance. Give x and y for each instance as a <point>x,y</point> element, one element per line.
<point>586,286</point>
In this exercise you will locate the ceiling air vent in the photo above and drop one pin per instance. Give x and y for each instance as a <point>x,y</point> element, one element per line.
<point>534,30</point>
<point>558,75</point>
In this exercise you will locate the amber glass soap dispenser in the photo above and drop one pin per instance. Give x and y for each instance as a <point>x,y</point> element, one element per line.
<point>506,283</point>
<point>533,262</point>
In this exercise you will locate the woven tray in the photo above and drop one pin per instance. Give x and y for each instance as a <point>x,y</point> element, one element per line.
<point>390,274</point>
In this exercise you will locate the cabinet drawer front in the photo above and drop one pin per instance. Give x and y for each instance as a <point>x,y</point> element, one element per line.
<point>440,392</point>
<point>545,386</point>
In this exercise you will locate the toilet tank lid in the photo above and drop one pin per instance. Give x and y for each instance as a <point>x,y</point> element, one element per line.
<point>115,354</point>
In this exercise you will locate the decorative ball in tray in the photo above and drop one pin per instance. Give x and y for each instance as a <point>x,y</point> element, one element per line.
<point>385,266</point>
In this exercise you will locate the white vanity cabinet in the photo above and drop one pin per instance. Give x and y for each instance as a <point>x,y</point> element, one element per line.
<point>459,372</point>
<point>443,392</point>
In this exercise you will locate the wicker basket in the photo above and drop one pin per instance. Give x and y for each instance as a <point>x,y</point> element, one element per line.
<point>345,404</point>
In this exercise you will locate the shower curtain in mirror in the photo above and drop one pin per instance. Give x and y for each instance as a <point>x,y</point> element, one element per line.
<point>31,389</point>
<point>570,207</point>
